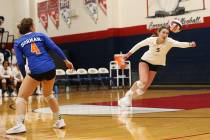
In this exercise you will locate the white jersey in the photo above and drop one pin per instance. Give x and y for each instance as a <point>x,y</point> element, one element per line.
<point>157,53</point>
<point>5,73</point>
<point>12,60</point>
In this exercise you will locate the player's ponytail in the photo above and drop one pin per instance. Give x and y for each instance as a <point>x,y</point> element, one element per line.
<point>25,25</point>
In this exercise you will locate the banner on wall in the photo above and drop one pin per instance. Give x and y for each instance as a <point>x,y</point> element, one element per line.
<point>187,11</point>
<point>65,9</point>
<point>102,4</point>
<point>43,13</point>
<point>92,9</point>
<point>53,11</point>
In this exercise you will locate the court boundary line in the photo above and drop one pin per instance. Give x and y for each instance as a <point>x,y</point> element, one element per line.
<point>174,138</point>
<point>33,110</point>
<point>189,136</point>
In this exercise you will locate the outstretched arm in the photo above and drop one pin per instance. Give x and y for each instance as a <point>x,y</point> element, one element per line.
<point>52,46</point>
<point>137,47</point>
<point>178,44</point>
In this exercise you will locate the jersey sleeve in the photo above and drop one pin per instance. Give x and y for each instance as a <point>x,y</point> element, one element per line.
<point>141,44</point>
<point>20,59</point>
<point>178,44</point>
<point>52,46</point>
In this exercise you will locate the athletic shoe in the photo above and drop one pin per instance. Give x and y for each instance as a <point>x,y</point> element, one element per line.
<point>38,92</point>
<point>18,128</point>
<point>125,101</point>
<point>59,124</point>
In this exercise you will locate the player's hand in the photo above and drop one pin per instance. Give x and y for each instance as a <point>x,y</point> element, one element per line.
<point>193,44</point>
<point>69,65</point>
<point>127,55</point>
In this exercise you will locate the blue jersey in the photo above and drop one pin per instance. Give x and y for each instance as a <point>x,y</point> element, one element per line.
<point>33,46</point>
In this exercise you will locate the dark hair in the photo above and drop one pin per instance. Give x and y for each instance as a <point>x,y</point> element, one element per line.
<point>159,30</point>
<point>25,25</point>
<point>5,61</point>
<point>2,18</point>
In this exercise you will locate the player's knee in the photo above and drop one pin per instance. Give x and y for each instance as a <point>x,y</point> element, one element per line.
<point>144,81</point>
<point>141,84</point>
<point>20,100</point>
<point>49,97</point>
<point>140,91</point>
<point>3,81</point>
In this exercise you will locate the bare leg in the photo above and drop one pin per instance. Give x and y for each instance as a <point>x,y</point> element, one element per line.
<point>152,75</point>
<point>47,87</point>
<point>139,86</point>
<point>26,89</point>
<point>48,94</point>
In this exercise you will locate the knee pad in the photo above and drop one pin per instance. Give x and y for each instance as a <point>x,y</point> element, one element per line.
<point>20,100</point>
<point>140,84</point>
<point>139,91</point>
<point>50,97</point>
<point>4,81</point>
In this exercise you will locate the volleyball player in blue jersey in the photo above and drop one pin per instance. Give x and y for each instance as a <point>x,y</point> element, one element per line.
<point>32,47</point>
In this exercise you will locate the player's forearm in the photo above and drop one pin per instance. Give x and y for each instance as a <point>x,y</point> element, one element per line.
<point>57,50</point>
<point>185,44</point>
<point>61,54</point>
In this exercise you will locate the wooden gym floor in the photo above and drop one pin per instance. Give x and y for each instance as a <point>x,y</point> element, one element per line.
<point>93,115</point>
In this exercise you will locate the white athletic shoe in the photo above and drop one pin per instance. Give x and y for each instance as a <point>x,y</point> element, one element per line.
<point>18,128</point>
<point>38,92</point>
<point>59,124</point>
<point>125,101</point>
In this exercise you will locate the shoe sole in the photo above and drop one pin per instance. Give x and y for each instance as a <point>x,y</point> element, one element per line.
<point>60,127</point>
<point>15,133</point>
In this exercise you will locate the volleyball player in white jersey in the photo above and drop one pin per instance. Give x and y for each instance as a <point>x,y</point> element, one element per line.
<point>6,77</point>
<point>150,62</point>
